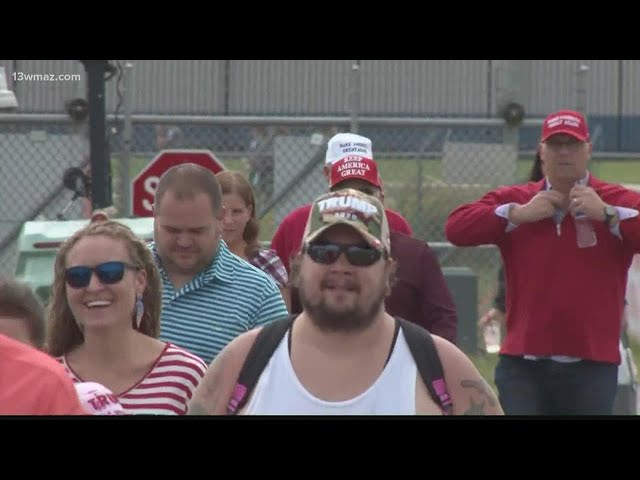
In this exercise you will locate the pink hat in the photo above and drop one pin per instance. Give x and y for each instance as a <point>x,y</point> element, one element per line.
<point>97,399</point>
<point>569,122</point>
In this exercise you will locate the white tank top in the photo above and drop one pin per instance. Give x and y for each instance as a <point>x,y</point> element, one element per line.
<point>279,392</point>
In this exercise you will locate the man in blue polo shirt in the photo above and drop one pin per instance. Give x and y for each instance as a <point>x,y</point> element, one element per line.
<point>209,295</point>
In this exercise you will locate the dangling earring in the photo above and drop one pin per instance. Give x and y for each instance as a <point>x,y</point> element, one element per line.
<point>139,310</point>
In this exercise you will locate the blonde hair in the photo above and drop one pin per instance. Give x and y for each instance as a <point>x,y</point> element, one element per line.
<point>64,332</point>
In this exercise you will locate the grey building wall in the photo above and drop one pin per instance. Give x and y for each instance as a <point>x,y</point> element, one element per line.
<point>424,87</point>
<point>553,85</point>
<point>289,86</point>
<point>322,87</point>
<point>177,86</point>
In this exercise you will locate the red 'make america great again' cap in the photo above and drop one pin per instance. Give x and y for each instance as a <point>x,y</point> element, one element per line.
<point>569,122</point>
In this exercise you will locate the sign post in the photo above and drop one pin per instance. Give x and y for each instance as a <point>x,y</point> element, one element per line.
<point>144,185</point>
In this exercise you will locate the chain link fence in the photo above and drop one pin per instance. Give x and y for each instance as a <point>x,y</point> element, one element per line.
<point>33,159</point>
<point>428,167</point>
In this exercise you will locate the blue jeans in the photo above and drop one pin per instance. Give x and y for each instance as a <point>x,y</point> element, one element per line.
<point>547,387</point>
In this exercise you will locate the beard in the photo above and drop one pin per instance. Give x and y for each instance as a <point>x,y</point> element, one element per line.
<point>352,315</point>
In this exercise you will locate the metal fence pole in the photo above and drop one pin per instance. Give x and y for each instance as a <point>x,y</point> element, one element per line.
<point>355,96</point>
<point>581,105</point>
<point>125,162</point>
<point>100,163</point>
<point>581,88</point>
<point>511,136</point>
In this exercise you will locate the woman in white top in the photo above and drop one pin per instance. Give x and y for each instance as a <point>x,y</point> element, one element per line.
<point>105,320</point>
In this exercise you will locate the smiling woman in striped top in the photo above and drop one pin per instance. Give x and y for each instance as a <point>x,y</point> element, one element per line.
<point>105,320</point>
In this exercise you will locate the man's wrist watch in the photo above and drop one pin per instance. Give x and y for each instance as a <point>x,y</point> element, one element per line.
<point>609,214</point>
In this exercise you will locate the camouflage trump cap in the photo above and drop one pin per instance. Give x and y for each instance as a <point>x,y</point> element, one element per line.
<point>362,212</point>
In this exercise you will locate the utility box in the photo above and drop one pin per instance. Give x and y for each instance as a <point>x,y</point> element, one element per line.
<point>39,242</point>
<point>463,285</point>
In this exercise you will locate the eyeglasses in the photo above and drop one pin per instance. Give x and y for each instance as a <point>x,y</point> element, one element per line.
<point>328,253</point>
<point>107,272</point>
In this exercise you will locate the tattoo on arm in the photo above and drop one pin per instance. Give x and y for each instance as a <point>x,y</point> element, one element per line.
<point>475,408</point>
<point>486,396</point>
<point>482,387</point>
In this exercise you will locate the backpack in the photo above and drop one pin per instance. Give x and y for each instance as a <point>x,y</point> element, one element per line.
<point>419,340</point>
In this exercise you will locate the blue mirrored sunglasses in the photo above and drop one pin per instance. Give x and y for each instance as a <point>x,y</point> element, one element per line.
<point>108,273</point>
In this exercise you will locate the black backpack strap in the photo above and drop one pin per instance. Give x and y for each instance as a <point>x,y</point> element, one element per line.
<point>257,359</point>
<point>428,362</point>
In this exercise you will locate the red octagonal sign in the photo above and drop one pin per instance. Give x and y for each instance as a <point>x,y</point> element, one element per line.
<point>144,185</point>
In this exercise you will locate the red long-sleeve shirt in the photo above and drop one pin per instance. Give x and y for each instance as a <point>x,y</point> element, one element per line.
<point>561,299</point>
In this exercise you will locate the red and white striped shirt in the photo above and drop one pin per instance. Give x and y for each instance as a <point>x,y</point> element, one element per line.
<point>166,389</point>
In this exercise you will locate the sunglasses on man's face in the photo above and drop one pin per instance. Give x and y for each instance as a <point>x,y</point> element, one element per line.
<point>328,253</point>
<point>108,273</point>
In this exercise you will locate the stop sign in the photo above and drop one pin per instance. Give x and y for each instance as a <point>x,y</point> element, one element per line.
<point>143,186</point>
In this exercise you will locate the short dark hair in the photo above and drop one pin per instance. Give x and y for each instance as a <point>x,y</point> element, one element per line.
<point>19,301</point>
<point>187,180</point>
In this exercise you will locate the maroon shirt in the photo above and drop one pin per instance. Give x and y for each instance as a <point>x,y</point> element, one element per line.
<point>420,293</point>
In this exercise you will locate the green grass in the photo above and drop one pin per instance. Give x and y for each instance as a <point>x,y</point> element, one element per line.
<point>137,163</point>
<point>395,170</point>
<point>617,171</point>
<point>412,187</point>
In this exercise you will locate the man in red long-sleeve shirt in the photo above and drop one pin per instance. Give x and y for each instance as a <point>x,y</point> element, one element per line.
<point>420,293</point>
<point>567,242</point>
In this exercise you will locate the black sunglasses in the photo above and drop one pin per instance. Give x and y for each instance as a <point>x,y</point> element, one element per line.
<point>107,272</point>
<point>328,253</point>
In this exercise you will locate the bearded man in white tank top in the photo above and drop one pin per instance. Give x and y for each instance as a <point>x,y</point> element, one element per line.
<point>343,354</point>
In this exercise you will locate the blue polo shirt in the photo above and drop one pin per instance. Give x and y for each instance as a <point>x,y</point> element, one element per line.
<point>226,299</point>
